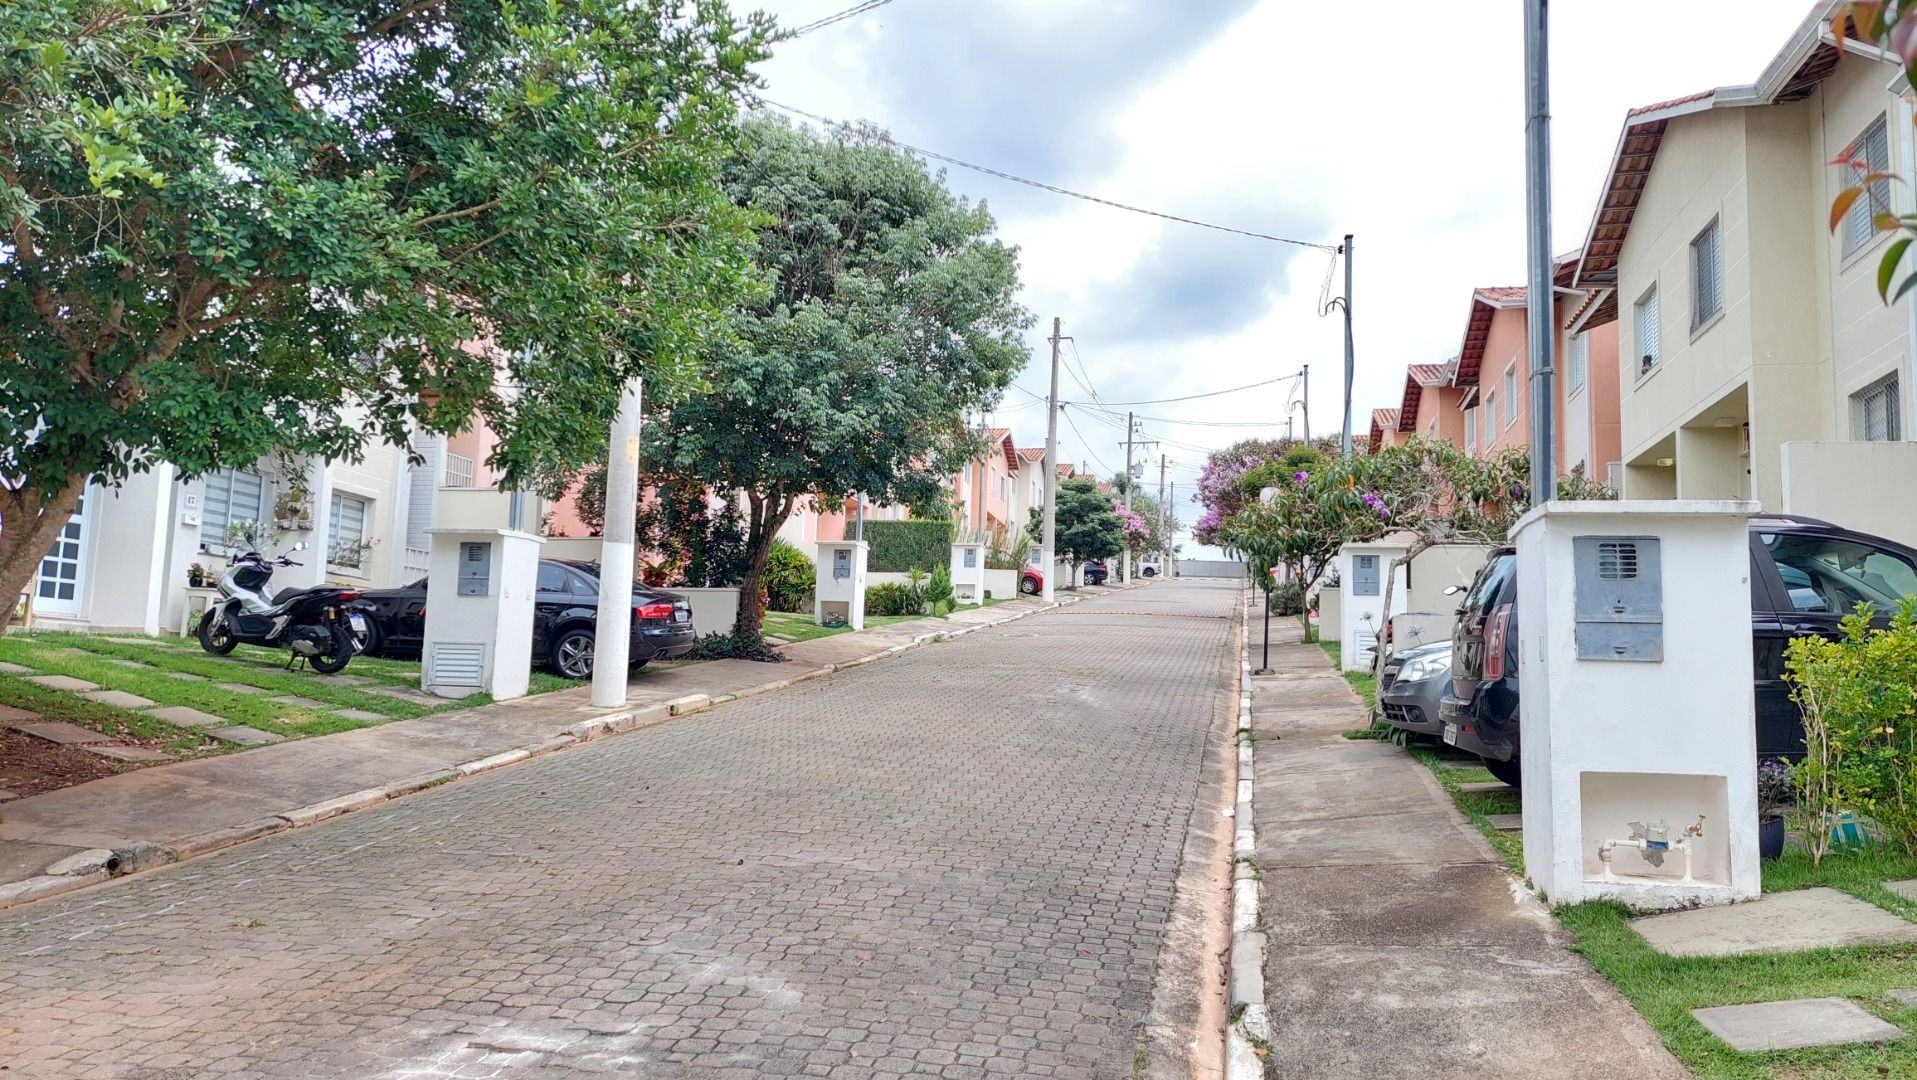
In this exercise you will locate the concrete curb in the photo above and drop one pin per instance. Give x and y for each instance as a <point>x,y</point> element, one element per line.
<point>89,867</point>
<point>1249,1029</point>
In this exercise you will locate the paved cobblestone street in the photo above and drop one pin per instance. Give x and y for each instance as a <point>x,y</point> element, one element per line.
<point>958,863</point>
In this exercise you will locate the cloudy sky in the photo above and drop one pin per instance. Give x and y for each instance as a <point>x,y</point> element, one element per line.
<point>1274,116</point>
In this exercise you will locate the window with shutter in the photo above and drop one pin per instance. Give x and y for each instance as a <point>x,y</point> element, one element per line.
<point>1470,430</point>
<point>1510,397</point>
<point>228,496</point>
<point>1707,276</point>
<point>1869,154</point>
<point>1580,353</point>
<point>1649,348</point>
<point>1490,417</point>
<point>1874,412</point>
<point>346,531</point>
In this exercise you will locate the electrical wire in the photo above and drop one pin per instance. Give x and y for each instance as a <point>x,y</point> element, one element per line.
<point>1102,467</point>
<point>1054,188</point>
<point>820,24</point>
<point>1212,393</point>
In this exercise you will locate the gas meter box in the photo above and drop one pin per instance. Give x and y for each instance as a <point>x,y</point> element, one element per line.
<point>475,568</point>
<point>1619,604</point>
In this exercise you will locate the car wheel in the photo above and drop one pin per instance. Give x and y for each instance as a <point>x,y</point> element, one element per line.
<point>1028,586</point>
<point>571,653</point>
<point>219,641</point>
<point>635,665</point>
<point>370,638</point>
<point>1507,772</point>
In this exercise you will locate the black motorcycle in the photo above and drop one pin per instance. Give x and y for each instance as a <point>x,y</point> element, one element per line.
<point>314,623</point>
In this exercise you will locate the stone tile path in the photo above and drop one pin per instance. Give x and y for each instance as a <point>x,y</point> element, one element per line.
<point>136,754</point>
<point>295,701</point>
<point>65,734</point>
<point>1484,787</point>
<point>14,669</point>
<point>119,699</point>
<point>240,688</point>
<point>62,682</point>
<point>1818,918</point>
<point>361,715</point>
<point>1506,822</point>
<point>241,735</point>
<point>1906,888</point>
<point>187,716</point>
<point>1786,1025</point>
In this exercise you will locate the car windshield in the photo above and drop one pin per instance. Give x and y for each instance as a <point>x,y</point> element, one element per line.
<point>1831,575</point>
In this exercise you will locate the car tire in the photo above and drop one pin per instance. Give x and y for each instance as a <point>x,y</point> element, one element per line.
<point>1508,772</point>
<point>370,641</point>
<point>1028,586</point>
<point>635,665</point>
<point>570,654</point>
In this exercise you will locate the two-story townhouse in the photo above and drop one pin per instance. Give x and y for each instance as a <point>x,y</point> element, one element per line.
<point>1430,404</point>
<point>1384,430</point>
<point>1028,488</point>
<point>984,487</point>
<point>1759,361</point>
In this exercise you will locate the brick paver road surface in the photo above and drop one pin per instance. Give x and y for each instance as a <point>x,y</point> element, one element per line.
<point>954,863</point>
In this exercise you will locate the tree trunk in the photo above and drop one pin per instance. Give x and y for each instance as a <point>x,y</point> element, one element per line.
<point>25,537</point>
<point>748,630</point>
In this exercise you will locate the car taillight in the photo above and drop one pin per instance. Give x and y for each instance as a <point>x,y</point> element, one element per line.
<point>345,596</point>
<point>1495,629</point>
<point>653,611</point>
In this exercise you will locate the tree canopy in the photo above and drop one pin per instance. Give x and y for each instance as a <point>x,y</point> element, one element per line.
<point>888,315</point>
<point>1086,523</point>
<point>227,224</point>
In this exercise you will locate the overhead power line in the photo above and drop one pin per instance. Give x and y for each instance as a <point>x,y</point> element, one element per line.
<point>820,24</point>
<point>1056,190</point>
<point>1102,467</point>
<point>1211,393</point>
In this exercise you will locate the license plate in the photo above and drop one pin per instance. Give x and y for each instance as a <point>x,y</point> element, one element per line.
<point>1451,734</point>
<point>358,621</point>
<point>682,616</point>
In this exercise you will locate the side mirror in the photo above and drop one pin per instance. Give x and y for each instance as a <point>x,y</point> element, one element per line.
<point>301,546</point>
<point>1453,590</point>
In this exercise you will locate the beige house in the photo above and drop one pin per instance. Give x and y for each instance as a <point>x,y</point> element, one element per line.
<point>1756,358</point>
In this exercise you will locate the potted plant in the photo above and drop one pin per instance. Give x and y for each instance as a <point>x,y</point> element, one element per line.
<point>196,577</point>
<point>655,574</point>
<point>1775,794</point>
<point>293,510</point>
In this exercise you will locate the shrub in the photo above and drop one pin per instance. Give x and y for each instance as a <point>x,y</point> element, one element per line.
<point>889,598</point>
<point>939,589</point>
<point>1288,599</point>
<point>914,591</point>
<point>790,577</point>
<point>898,546</point>
<point>1860,727</point>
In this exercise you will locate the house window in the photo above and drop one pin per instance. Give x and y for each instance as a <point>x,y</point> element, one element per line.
<point>228,496</point>
<point>1707,276</point>
<point>1510,396</point>
<point>1490,417</point>
<point>1580,359</point>
<point>1873,412</point>
<point>1470,430</point>
<point>346,531</point>
<point>1869,154</point>
<point>1649,350</point>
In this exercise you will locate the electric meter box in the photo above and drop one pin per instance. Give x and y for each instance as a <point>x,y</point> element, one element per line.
<point>479,612</point>
<point>475,568</point>
<point>839,597</point>
<point>1638,724</point>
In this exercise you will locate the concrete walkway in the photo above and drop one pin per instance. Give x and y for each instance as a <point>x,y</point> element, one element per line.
<point>1400,946</point>
<point>167,812</point>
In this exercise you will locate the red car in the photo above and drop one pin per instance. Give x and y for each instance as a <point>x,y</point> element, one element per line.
<point>1030,581</point>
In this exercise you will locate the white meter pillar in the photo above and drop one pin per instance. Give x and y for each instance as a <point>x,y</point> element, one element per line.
<point>479,612</point>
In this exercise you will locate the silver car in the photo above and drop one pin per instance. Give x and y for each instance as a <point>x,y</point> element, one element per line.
<point>1414,684</point>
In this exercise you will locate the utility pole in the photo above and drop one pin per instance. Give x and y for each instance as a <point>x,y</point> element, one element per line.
<point>1171,530</point>
<point>1130,430</point>
<point>1161,514</point>
<point>1344,439</point>
<point>1048,558</point>
<point>613,627</point>
<point>1540,317</point>
<point>1304,398</point>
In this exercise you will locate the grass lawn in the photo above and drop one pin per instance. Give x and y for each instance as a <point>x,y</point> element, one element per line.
<point>145,667</point>
<point>1362,681</point>
<point>795,626</point>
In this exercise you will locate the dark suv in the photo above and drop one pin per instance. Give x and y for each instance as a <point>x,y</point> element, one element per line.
<point>1806,575</point>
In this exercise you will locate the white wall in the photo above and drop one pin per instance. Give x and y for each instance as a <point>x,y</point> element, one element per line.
<point>1848,483</point>
<point>1438,568</point>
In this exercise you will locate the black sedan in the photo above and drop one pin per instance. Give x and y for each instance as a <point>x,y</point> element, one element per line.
<point>565,613</point>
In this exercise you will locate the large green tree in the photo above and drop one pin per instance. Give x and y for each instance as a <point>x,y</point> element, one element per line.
<point>889,314</point>
<point>1085,524</point>
<point>229,224</point>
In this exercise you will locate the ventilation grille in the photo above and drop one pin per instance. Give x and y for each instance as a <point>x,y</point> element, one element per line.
<point>1617,560</point>
<point>457,663</point>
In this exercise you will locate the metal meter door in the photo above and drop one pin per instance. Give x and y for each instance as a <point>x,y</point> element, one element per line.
<point>475,568</point>
<point>841,564</point>
<point>1619,598</point>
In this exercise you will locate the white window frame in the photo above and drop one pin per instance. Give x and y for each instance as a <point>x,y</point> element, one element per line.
<point>1707,267</point>
<point>1510,395</point>
<point>1470,430</point>
<point>1647,301</point>
<point>1860,221</point>
<point>1889,391</point>
<point>1580,362</point>
<point>223,477</point>
<point>1490,417</point>
<point>334,517</point>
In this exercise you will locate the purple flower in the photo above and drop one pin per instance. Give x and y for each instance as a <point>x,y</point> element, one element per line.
<point>1383,514</point>
<point>1301,476</point>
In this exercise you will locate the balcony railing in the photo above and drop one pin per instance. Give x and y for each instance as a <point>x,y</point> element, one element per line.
<point>459,471</point>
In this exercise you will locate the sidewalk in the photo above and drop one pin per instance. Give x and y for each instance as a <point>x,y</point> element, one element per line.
<point>76,836</point>
<point>1399,945</point>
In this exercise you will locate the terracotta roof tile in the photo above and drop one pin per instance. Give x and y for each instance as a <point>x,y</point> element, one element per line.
<point>1659,105</point>
<point>1031,453</point>
<point>1500,294</point>
<point>1426,373</point>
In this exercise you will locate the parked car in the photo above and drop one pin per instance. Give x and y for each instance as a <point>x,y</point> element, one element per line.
<point>1096,573</point>
<point>1413,686</point>
<point>1031,581</point>
<point>1806,575</point>
<point>565,614</point>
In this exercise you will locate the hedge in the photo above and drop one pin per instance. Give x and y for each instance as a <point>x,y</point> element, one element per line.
<point>898,546</point>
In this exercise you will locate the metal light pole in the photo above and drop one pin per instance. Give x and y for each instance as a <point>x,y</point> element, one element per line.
<point>612,629</point>
<point>1540,317</point>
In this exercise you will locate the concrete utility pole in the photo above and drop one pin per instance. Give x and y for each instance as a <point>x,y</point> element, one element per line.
<point>1131,428</point>
<point>1161,512</point>
<point>612,629</point>
<point>1540,315</point>
<point>1304,399</point>
<point>1344,439</point>
<point>1048,557</point>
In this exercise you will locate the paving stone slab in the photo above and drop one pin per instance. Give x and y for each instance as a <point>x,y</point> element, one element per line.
<point>130,753</point>
<point>119,699</point>
<point>299,702</point>
<point>10,715</point>
<point>1506,822</point>
<point>1908,997</point>
<point>358,714</point>
<point>244,736</point>
<point>1906,888</point>
<point>187,716</point>
<point>56,731</point>
<point>126,663</point>
<point>6,796</point>
<point>417,697</point>
<point>1485,787</point>
<point>1780,922</point>
<point>62,682</point>
<point>1786,1025</point>
<point>14,669</point>
<point>349,680</point>
<point>240,688</point>
<point>185,676</point>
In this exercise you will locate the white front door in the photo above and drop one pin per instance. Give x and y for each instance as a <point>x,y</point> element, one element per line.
<point>62,581</point>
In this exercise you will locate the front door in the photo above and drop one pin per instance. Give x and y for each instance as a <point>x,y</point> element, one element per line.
<point>61,584</point>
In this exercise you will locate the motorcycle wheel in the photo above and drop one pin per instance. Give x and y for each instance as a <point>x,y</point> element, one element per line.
<point>335,661</point>
<point>218,642</point>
